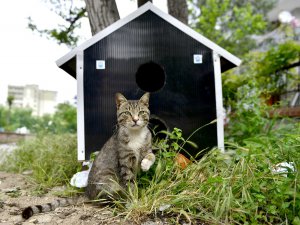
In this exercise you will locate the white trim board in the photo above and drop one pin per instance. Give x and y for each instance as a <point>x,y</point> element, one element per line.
<point>219,101</point>
<point>80,108</point>
<point>146,7</point>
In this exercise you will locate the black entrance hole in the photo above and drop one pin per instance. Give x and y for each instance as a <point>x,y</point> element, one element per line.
<point>150,77</point>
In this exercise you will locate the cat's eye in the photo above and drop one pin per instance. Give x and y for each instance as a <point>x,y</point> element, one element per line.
<point>142,112</point>
<point>127,113</point>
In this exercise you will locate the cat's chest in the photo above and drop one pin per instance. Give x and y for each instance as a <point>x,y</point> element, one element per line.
<point>136,140</point>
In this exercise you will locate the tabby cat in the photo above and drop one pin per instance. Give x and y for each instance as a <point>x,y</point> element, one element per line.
<point>115,167</point>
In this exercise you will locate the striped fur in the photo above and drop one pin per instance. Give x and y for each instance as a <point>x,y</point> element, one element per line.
<point>116,166</point>
<point>48,207</point>
<point>121,157</point>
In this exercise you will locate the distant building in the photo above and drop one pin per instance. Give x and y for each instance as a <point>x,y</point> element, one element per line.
<point>30,96</point>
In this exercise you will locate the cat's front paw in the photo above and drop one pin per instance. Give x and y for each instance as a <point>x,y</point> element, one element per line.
<point>146,164</point>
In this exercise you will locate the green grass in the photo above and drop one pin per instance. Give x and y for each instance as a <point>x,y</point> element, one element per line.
<point>237,187</point>
<point>52,160</point>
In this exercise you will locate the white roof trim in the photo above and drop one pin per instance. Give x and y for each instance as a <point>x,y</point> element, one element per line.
<point>149,6</point>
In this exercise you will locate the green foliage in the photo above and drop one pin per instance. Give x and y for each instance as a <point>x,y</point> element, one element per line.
<point>272,67</point>
<point>18,117</point>
<point>71,14</point>
<point>52,160</point>
<point>10,100</point>
<point>238,187</point>
<point>64,120</point>
<point>267,72</point>
<point>251,115</point>
<point>231,23</point>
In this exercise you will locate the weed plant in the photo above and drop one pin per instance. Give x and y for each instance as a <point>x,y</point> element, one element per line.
<point>239,187</point>
<point>51,159</point>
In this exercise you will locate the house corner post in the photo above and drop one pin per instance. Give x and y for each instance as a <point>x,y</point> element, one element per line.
<point>80,106</point>
<point>219,101</point>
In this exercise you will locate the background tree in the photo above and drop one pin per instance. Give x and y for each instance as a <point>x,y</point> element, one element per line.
<point>231,23</point>
<point>101,13</point>
<point>65,119</point>
<point>10,99</point>
<point>71,14</point>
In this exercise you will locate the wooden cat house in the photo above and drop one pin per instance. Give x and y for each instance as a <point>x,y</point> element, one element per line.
<point>149,51</point>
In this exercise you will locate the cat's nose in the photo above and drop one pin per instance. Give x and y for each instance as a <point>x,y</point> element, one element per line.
<point>135,118</point>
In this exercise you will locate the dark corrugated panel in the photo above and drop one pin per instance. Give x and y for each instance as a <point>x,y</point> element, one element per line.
<point>187,100</point>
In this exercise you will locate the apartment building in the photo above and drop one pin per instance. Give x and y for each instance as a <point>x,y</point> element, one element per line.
<point>30,96</point>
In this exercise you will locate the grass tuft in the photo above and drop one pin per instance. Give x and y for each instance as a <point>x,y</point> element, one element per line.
<point>52,160</point>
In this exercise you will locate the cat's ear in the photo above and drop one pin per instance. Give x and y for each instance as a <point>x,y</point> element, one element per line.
<point>145,99</point>
<point>120,99</point>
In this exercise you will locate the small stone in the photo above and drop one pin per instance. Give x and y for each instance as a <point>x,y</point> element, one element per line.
<point>10,190</point>
<point>14,211</point>
<point>62,216</point>
<point>44,218</point>
<point>84,217</point>
<point>11,204</point>
<point>67,213</point>
<point>51,223</point>
<point>27,172</point>
<point>34,220</point>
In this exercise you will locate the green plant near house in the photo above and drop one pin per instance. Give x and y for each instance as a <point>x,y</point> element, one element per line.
<point>269,73</point>
<point>273,67</point>
<point>238,187</point>
<point>251,116</point>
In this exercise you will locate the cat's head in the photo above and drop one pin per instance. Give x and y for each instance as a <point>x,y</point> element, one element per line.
<point>133,114</point>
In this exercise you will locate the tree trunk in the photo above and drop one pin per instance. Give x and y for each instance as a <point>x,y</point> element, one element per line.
<point>142,2</point>
<point>178,9</point>
<point>101,13</point>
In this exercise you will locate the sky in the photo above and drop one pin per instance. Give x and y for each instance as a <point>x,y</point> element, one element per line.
<point>28,58</point>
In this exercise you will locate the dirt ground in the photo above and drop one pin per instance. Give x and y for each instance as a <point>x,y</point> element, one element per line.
<point>15,194</point>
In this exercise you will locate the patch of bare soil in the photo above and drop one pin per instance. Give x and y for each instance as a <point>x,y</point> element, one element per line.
<point>15,194</point>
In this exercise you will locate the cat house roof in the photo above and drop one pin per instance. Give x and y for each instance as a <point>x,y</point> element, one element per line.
<point>68,61</point>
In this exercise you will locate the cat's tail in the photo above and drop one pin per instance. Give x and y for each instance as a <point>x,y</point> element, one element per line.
<point>48,207</point>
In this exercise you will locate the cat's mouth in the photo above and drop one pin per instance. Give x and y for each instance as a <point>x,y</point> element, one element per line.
<point>136,125</point>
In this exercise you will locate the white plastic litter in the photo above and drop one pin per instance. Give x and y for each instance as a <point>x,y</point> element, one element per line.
<point>80,179</point>
<point>164,207</point>
<point>284,168</point>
